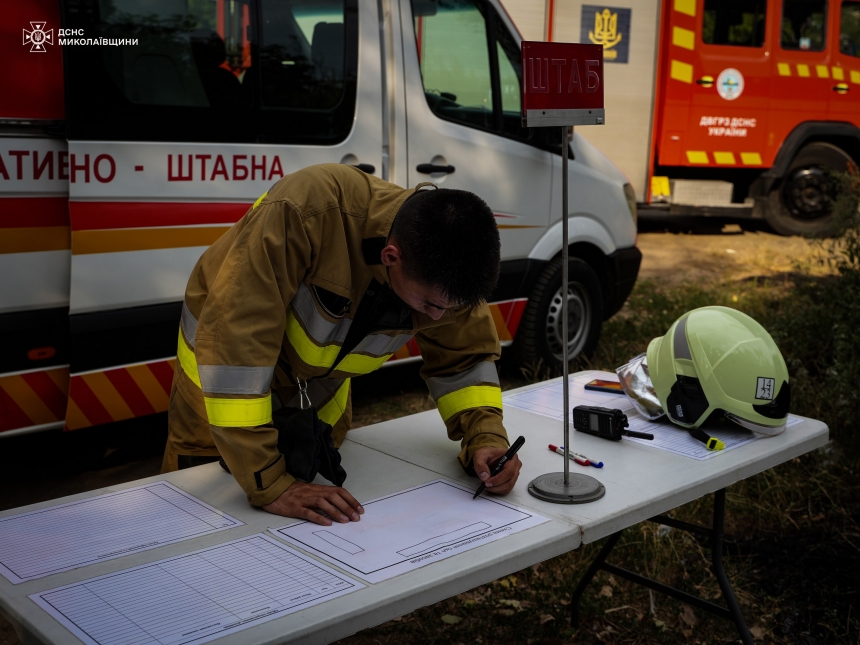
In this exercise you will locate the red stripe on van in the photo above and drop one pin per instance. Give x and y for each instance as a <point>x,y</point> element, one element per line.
<point>32,212</point>
<point>105,215</point>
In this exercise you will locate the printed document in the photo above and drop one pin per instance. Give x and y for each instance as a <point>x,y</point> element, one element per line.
<point>546,400</point>
<point>196,597</point>
<point>411,529</point>
<point>75,534</point>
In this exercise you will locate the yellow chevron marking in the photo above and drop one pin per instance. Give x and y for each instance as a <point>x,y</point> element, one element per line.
<point>784,69</point>
<point>26,399</point>
<point>108,396</point>
<point>75,419</point>
<point>697,156</point>
<point>822,71</point>
<point>838,73</point>
<point>501,327</point>
<point>150,386</point>
<point>803,70</point>
<point>751,158</point>
<point>724,158</point>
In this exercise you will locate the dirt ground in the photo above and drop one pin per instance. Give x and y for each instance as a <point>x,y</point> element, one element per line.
<point>50,465</point>
<point>711,250</point>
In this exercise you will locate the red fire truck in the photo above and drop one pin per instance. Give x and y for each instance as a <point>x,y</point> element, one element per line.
<point>722,107</point>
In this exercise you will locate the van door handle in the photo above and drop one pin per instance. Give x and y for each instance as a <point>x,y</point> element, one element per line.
<point>365,167</point>
<point>841,88</point>
<point>429,168</point>
<point>706,81</point>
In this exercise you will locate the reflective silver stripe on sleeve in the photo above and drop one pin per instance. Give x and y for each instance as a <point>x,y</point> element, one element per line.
<point>318,328</point>
<point>319,390</point>
<point>235,379</point>
<point>189,325</point>
<point>381,344</point>
<point>481,373</point>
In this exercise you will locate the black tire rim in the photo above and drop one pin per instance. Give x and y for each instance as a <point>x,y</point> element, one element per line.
<point>578,322</point>
<point>807,194</point>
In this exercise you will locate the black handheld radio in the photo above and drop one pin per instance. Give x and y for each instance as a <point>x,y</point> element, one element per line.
<point>604,423</point>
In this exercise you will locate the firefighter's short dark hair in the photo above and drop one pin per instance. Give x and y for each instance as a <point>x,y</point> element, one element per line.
<point>448,239</point>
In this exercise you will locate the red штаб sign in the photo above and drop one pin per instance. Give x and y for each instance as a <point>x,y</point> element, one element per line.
<point>562,84</point>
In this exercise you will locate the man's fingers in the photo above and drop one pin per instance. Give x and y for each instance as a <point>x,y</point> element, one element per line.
<point>480,465</point>
<point>329,509</point>
<point>509,470</point>
<point>345,494</point>
<point>316,518</point>
<point>338,500</point>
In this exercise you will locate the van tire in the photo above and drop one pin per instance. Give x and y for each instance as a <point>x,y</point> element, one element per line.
<point>802,202</point>
<point>538,341</point>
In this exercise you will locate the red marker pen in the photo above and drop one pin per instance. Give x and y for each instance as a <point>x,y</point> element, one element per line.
<point>581,462</point>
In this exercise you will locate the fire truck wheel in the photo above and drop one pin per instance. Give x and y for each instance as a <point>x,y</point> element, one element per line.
<point>802,203</point>
<point>539,337</point>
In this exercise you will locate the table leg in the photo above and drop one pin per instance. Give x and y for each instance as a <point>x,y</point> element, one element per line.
<point>720,572</point>
<point>589,576</point>
<point>733,612</point>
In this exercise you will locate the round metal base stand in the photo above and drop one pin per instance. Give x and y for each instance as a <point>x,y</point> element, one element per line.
<point>580,490</point>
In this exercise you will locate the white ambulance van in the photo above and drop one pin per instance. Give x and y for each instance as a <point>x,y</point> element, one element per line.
<point>133,133</point>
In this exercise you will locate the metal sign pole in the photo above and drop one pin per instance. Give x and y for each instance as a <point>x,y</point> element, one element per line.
<point>569,92</point>
<point>565,360</point>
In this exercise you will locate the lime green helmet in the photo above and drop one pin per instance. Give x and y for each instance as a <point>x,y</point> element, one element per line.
<point>716,358</point>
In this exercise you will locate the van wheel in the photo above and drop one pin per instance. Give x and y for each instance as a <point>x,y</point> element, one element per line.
<point>539,337</point>
<point>803,202</point>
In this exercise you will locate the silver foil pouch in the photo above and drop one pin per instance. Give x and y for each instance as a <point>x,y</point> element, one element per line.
<point>636,383</point>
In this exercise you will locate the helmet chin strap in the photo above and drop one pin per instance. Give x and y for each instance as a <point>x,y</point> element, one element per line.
<point>711,442</point>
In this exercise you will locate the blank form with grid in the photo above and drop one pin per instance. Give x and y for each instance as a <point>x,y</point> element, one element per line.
<point>75,534</point>
<point>196,597</point>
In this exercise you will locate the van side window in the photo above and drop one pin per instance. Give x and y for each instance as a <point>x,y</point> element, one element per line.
<point>510,81</point>
<point>302,46</point>
<point>237,71</point>
<point>740,23</point>
<point>804,24</point>
<point>451,36</point>
<point>849,29</point>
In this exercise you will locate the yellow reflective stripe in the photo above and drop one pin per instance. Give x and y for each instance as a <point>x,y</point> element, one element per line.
<point>697,156</point>
<point>187,360</point>
<point>308,351</point>
<point>686,6</point>
<point>784,69</point>
<point>238,413</point>
<point>332,411</point>
<point>683,38</point>
<point>475,396</point>
<point>260,199</point>
<point>361,364</point>
<point>681,71</point>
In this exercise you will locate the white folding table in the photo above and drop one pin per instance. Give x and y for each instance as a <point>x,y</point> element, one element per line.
<point>641,483</point>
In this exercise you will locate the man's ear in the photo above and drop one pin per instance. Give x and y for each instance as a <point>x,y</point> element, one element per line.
<point>391,255</point>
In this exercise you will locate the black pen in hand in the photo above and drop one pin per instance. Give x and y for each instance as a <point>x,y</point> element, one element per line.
<point>498,467</point>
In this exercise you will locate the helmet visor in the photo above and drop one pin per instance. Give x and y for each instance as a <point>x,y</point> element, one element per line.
<point>770,431</point>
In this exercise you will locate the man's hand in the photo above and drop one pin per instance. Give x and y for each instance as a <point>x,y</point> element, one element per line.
<point>306,501</point>
<point>503,483</point>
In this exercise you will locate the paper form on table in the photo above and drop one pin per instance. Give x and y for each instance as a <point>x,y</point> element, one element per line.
<point>195,597</point>
<point>411,529</point>
<point>75,534</point>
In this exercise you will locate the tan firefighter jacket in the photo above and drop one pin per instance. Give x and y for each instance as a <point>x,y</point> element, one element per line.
<point>296,290</point>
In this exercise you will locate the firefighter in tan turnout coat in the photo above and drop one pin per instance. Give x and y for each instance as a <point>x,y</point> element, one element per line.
<point>327,275</point>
